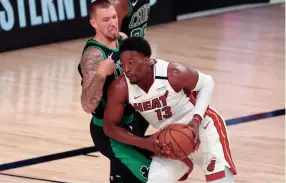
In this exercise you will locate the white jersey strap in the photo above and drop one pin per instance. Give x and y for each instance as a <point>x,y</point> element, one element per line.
<point>161,69</point>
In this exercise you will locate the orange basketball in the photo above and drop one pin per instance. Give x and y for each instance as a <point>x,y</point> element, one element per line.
<point>179,139</point>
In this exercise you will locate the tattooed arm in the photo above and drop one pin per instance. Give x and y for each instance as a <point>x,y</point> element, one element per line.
<point>93,81</point>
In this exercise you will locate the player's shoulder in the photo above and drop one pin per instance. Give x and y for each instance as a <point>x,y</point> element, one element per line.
<point>118,89</point>
<point>119,84</point>
<point>121,81</point>
<point>91,48</point>
<point>91,55</point>
<point>177,75</point>
<point>173,69</point>
<point>176,68</point>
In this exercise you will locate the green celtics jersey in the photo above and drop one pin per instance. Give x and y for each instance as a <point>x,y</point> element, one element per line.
<point>135,23</point>
<point>114,54</point>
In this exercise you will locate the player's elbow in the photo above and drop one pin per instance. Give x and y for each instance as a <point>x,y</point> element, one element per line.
<point>87,106</point>
<point>108,129</point>
<point>87,109</point>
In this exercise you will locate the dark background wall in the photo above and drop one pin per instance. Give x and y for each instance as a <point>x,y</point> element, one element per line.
<point>189,6</point>
<point>25,23</point>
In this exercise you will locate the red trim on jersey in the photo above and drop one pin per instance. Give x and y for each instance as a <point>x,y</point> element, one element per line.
<point>221,129</point>
<point>190,164</point>
<point>193,95</point>
<point>215,176</point>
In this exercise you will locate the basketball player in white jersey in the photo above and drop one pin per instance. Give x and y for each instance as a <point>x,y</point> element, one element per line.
<point>157,89</point>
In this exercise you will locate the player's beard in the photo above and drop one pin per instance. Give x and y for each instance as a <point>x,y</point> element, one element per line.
<point>110,37</point>
<point>112,33</point>
<point>113,37</point>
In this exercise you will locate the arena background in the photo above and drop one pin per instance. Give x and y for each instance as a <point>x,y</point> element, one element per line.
<point>26,23</point>
<point>44,133</point>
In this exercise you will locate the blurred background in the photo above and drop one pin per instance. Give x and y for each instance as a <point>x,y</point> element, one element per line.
<point>26,23</point>
<point>44,133</point>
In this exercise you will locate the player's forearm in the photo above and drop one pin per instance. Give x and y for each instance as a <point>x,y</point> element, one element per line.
<point>122,135</point>
<point>204,90</point>
<point>92,94</point>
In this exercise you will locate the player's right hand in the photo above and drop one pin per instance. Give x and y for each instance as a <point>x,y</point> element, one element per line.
<point>194,125</point>
<point>106,67</point>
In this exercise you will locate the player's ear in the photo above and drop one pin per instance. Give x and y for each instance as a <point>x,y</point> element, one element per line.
<point>151,61</point>
<point>93,23</point>
<point>146,60</point>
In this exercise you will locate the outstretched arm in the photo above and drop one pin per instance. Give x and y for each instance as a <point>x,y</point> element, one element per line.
<point>114,109</point>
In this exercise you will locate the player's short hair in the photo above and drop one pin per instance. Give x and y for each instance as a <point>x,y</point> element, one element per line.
<point>97,4</point>
<point>135,43</point>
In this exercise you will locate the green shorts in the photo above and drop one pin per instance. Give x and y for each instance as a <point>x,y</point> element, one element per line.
<point>132,163</point>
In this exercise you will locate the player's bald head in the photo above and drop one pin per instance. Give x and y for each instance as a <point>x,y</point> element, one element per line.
<point>104,4</point>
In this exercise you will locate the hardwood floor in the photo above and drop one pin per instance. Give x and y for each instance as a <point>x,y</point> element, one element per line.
<point>244,51</point>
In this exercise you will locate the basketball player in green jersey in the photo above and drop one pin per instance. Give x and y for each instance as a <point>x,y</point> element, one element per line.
<point>98,67</point>
<point>132,16</point>
<point>132,20</point>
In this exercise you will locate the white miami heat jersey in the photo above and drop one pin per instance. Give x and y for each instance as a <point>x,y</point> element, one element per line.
<point>161,106</point>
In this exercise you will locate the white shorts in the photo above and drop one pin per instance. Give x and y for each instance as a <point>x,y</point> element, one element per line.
<point>214,154</point>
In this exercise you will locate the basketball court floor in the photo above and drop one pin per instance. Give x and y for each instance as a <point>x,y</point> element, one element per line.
<point>44,133</point>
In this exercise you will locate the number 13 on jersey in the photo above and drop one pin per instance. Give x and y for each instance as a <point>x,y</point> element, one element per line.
<point>165,113</point>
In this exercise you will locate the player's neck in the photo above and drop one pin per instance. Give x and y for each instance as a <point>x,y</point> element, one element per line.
<point>148,81</point>
<point>105,42</point>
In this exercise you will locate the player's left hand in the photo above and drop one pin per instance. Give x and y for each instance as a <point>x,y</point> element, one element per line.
<point>195,124</point>
<point>156,147</point>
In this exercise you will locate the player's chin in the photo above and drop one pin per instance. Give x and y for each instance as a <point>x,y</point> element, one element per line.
<point>114,36</point>
<point>133,82</point>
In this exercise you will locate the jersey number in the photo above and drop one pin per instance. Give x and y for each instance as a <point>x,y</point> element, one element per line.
<point>139,31</point>
<point>165,113</point>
